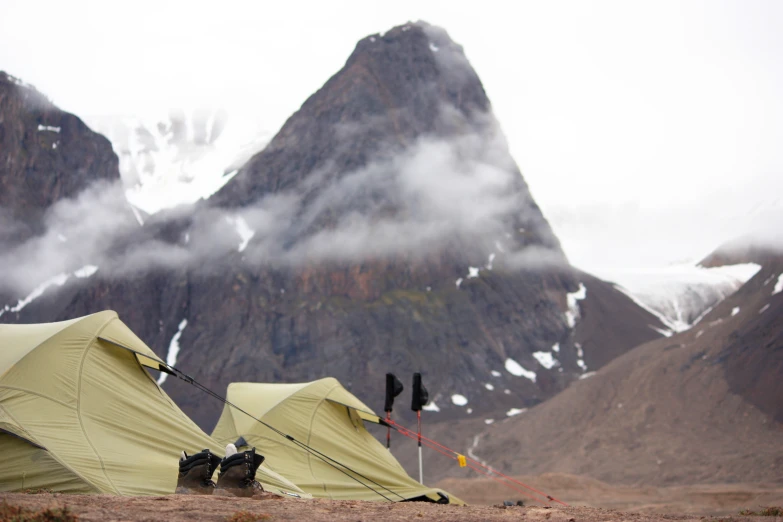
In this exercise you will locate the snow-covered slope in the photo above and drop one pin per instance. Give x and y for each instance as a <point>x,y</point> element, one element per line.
<point>179,157</point>
<point>681,294</point>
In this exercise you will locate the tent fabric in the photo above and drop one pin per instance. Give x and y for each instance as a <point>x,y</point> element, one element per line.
<point>328,418</point>
<point>79,414</point>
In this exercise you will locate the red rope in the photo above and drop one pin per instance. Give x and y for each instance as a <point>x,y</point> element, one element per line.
<point>410,435</point>
<point>453,454</point>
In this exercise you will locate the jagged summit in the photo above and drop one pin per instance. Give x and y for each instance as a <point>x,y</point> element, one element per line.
<point>410,82</point>
<point>403,135</point>
<point>416,54</point>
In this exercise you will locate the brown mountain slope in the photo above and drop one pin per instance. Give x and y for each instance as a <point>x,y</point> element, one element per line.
<point>700,407</point>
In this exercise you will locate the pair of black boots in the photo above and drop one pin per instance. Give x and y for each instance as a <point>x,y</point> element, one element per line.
<point>237,475</point>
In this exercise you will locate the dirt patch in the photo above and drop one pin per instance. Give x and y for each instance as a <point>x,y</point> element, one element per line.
<point>698,499</point>
<point>219,509</point>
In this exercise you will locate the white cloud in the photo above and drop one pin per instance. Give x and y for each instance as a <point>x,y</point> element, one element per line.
<point>635,145</point>
<point>448,192</point>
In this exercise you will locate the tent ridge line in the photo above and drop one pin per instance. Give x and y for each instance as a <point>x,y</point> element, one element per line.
<point>115,343</point>
<point>79,401</point>
<point>38,394</point>
<point>58,332</point>
<point>311,383</point>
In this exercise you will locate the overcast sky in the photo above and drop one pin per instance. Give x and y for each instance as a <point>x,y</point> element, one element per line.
<point>649,132</point>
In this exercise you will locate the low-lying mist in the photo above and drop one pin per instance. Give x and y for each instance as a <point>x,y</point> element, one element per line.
<point>463,192</point>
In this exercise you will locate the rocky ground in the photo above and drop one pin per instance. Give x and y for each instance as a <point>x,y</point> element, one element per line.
<point>695,499</point>
<point>216,508</point>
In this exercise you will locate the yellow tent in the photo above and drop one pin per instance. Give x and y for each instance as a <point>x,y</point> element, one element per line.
<point>326,417</point>
<point>79,414</point>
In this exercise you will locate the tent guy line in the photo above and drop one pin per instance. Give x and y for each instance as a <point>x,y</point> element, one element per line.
<point>83,409</point>
<point>490,472</point>
<point>448,452</point>
<point>325,458</point>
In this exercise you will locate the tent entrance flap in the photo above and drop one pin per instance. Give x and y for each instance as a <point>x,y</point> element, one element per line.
<point>144,359</point>
<point>364,415</point>
<point>5,431</point>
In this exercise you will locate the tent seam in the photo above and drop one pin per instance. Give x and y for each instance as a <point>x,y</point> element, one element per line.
<point>79,401</point>
<point>38,394</point>
<point>310,431</point>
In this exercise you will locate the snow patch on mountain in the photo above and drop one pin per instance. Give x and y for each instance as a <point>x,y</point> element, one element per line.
<point>86,271</point>
<point>580,357</point>
<point>514,368</point>
<point>38,291</point>
<point>431,406</point>
<point>244,231</point>
<point>178,158</point>
<point>57,280</point>
<point>573,298</point>
<point>490,260</point>
<point>459,400</point>
<point>545,359</point>
<point>663,332</point>
<point>778,286</point>
<point>680,295</point>
<point>171,356</point>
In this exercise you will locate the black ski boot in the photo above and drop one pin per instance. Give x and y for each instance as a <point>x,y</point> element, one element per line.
<point>195,473</point>
<point>237,475</point>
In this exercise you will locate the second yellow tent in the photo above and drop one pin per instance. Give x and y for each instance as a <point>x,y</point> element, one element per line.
<point>325,416</point>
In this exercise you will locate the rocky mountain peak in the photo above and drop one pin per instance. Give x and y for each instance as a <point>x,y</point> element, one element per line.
<point>413,81</point>
<point>46,155</point>
<point>415,61</point>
